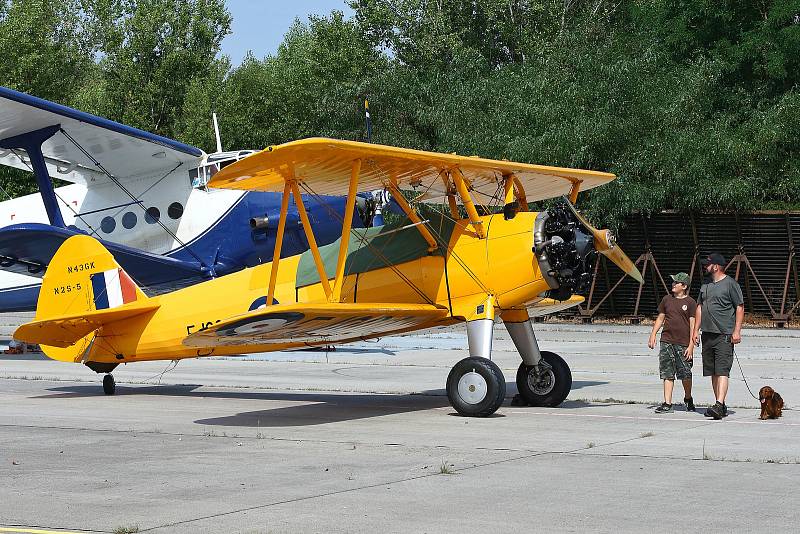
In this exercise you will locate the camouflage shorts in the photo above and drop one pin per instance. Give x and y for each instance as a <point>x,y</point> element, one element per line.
<point>671,364</point>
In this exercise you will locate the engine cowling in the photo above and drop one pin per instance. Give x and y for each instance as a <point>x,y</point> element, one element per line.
<point>565,250</point>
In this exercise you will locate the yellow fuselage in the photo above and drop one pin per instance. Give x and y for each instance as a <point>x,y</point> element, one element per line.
<point>501,268</point>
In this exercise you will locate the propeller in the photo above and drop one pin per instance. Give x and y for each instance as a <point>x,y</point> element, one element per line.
<point>605,243</point>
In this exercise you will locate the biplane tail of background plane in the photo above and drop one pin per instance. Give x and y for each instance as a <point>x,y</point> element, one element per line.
<point>83,289</point>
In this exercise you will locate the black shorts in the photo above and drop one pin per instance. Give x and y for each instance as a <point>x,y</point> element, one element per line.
<point>717,354</point>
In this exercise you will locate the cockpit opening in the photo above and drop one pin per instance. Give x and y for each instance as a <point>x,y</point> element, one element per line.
<point>212,164</point>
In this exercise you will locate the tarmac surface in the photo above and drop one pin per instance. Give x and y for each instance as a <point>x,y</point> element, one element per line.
<point>363,440</point>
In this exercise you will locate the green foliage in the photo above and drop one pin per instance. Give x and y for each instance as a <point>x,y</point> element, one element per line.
<point>694,104</point>
<point>43,46</point>
<point>314,86</point>
<point>153,52</point>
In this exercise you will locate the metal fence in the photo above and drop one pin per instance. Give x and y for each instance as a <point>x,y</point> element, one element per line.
<point>760,248</point>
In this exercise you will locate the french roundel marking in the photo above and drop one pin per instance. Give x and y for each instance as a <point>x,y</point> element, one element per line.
<point>260,325</point>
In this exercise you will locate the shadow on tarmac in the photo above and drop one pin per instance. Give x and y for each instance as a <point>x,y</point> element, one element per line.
<point>316,408</point>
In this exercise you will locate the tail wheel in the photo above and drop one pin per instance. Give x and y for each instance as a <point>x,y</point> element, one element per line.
<point>109,386</point>
<point>476,387</point>
<point>547,384</point>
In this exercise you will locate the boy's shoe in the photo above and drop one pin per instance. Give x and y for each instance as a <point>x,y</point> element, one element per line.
<point>724,410</point>
<point>664,408</point>
<point>715,411</point>
<point>689,405</point>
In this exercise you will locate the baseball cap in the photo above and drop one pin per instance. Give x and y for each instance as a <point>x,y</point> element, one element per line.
<point>715,258</point>
<point>683,278</point>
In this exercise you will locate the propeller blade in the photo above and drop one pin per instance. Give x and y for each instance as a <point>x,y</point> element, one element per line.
<point>621,260</point>
<point>606,245</point>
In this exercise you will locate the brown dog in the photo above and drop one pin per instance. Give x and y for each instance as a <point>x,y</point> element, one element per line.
<point>771,403</point>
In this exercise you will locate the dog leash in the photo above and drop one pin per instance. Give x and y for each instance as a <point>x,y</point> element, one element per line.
<point>743,377</point>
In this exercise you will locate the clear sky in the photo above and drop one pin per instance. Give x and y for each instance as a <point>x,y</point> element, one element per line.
<point>259,25</point>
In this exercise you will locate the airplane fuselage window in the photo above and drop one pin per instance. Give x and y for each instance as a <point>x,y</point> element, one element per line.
<point>129,220</point>
<point>108,224</point>
<point>175,210</point>
<point>152,215</point>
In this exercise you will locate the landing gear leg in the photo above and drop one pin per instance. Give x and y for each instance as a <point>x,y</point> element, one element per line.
<point>543,378</point>
<point>476,386</point>
<point>109,386</point>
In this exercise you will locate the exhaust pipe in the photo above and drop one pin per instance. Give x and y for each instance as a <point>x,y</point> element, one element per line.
<point>259,223</point>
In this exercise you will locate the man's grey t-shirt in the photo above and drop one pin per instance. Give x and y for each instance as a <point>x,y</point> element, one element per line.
<point>719,300</point>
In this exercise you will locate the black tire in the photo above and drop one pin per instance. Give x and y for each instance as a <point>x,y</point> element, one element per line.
<point>552,389</point>
<point>490,377</point>
<point>109,386</point>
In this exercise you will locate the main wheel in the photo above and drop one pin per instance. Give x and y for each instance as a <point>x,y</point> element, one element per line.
<point>548,385</point>
<point>476,387</point>
<point>109,386</point>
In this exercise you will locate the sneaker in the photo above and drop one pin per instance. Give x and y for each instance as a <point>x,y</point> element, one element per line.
<point>724,410</point>
<point>689,405</point>
<point>664,408</point>
<point>715,411</point>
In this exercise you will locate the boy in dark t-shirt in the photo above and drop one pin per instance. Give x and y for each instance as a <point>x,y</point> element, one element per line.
<point>676,314</point>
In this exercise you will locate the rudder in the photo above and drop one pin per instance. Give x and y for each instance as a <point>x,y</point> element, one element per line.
<point>83,276</point>
<point>83,288</point>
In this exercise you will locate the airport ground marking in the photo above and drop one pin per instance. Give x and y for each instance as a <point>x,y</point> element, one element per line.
<point>37,531</point>
<point>643,418</point>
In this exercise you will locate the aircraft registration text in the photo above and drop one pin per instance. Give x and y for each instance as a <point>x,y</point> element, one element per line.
<point>80,267</point>
<point>69,288</point>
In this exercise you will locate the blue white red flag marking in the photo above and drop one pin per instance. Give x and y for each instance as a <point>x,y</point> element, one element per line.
<point>112,288</point>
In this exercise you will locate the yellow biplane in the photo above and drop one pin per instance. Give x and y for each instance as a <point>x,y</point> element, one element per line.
<point>456,264</point>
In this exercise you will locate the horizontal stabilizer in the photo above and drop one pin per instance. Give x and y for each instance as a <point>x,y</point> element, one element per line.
<point>317,324</point>
<point>28,249</point>
<point>66,330</point>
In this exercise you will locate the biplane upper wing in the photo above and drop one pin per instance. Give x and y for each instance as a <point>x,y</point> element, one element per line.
<point>82,140</point>
<point>321,163</point>
<point>317,324</point>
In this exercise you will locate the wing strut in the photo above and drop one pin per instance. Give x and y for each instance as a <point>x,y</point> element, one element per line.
<point>312,243</point>
<point>573,193</point>
<point>451,196</point>
<point>276,255</point>
<point>520,192</point>
<point>352,191</point>
<point>31,142</point>
<point>466,199</point>
<point>411,214</point>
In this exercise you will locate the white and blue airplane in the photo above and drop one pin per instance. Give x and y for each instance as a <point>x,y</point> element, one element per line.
<point>144,196</point>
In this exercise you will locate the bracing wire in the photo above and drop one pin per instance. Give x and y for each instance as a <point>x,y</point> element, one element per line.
<point>368,244</point>
<point>131,195</point>
<point>74,213</point>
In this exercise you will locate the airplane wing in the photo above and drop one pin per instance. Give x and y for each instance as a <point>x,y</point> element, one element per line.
<point>321,163</point>
<point>317,324</point>
<point>28,248</point>
<point>85,140</point>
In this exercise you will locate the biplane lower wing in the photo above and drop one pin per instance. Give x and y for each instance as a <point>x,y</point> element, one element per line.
<point>317,324</point>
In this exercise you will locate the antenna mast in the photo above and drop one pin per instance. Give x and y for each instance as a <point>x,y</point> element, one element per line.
<point>216,132</point>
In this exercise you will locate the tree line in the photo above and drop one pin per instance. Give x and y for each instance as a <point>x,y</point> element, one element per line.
<point>694,104</point>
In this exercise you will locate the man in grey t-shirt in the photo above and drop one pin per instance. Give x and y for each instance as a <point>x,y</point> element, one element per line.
<point>720,312</point>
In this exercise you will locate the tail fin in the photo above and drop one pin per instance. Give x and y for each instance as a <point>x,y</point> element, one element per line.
<point>82,289</point>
